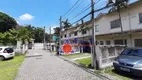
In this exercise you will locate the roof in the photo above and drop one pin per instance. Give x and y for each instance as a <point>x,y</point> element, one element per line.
<point>103,14</point>
<point>100,15</point>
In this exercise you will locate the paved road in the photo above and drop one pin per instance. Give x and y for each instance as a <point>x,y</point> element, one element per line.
<point>41,65</point>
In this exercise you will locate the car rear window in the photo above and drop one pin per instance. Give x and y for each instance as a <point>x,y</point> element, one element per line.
<point>9,50</point>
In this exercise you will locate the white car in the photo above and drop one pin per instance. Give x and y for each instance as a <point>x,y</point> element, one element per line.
<point>6,53</point>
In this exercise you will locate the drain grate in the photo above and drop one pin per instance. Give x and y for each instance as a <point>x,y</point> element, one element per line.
<point>33,56</point>
<point>38,58</point>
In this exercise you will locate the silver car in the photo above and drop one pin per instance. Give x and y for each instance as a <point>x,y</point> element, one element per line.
<point>130,61</point>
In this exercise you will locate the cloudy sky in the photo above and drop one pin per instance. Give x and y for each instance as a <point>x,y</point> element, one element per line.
<point>46,12</point>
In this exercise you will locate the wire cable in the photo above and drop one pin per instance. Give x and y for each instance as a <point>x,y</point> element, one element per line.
<point>76,7</point>
<point>71,8</point>
<point>82,11</point>
<point>90,13</point>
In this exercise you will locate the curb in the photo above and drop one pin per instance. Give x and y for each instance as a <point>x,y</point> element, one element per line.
<point>91,71</point>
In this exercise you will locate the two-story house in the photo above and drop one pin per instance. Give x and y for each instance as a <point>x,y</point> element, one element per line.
<point>108,32</point>
<point>111,38</point>
<point>79,39</point>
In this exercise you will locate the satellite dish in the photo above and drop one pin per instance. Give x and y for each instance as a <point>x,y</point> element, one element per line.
<point>113,1</point>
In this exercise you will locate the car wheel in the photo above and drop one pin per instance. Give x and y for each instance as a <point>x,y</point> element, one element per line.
<point>1,58</point>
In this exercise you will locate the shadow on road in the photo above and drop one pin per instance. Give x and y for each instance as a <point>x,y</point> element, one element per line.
<point>126,74</point>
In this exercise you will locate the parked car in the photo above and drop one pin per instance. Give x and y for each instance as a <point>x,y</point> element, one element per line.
<point>130,60</point>
<point>6,52</point>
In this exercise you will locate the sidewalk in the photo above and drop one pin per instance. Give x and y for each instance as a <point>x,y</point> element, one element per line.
<point>44,66</point>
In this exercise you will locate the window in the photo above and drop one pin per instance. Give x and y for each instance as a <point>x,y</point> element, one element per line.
<point>65,35</point>
<point>70,34</point>
<point>9,50</point>
<point>120,42</point>
<point>138,42</point>
<point>84,32</point>
<point>75,34</point>
<point>97,42</point>
<point>140,17</point>
<point>96,28</point>
<point>101,43</point>
<point>115,24</point>
<point>108,42</point>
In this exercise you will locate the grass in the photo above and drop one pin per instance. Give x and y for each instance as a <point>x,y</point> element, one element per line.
<point>111,71</point>
<point>9,68</point>
<point>54,52</point>
<point>85,61</point>
<point>72,56</point>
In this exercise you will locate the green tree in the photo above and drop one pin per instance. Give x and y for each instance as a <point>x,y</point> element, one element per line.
<point>8,37</point>
<point>23,34</point>
<point>116,6</point>
<point>39,34</point>
<point>6,22</point>
<point>66,25</point>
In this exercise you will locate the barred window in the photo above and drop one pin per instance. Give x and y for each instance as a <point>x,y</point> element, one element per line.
<point>70,34</point>
<point>120,42</point>
<point>115,24</point>
<point>65,35</point>
<point>108,43</point>
<point>84,32</point>
<point>101,42</point>
<point>140,17</point>
<point>75,34</point>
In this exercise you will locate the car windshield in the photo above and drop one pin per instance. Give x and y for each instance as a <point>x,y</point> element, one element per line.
<point>133,52</point>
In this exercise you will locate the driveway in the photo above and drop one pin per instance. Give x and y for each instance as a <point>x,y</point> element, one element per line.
<point>41,65</point>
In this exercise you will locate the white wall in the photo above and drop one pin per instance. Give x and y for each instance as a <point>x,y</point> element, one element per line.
<point>79,34</point>
<point>129,20</point>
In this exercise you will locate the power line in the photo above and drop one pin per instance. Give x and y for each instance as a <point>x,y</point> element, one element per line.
<point>90,13</point>
<point>71,8</point>
<point>81,18</point>
<point>76,7</point>
<point>83,11</point>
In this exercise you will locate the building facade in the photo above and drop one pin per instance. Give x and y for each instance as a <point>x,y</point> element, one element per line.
<point>111,38</point>
<point>79,38</point>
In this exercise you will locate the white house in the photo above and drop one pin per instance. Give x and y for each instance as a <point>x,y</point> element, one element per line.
<point>77,37</point>
<point>108,32</point>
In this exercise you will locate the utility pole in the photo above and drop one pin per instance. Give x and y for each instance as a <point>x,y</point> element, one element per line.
<point>50,38</point>
<point>44,44</point>
<point>59,46</point>
<point>94,56</point>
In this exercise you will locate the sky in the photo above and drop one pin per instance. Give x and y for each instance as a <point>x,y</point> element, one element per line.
<point>46,13</point>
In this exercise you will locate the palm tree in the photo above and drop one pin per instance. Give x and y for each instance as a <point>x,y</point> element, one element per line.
<point>116,6</point>
<point>66,25</point>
